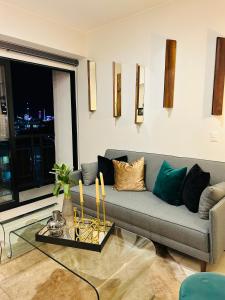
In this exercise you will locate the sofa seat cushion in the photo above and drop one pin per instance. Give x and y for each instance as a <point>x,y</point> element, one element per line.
<point>145,210</point>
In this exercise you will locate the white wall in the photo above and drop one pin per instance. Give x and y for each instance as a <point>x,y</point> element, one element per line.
<point>183,131</point>
<point>19,23</point>
<point>63,119</point>
<point>20,26</point>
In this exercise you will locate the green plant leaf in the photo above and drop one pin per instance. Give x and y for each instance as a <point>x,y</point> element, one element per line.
<point>62,173</point>
<point>56,166</point>
<point>56,190</point>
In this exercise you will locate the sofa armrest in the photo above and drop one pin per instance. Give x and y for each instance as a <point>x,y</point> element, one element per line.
<point>75,176</point>
<point>217,230</point>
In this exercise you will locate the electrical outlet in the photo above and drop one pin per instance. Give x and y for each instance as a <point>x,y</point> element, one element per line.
<point>214,137</point>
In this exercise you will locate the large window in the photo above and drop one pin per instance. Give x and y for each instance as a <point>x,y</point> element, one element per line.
<point>33,124</point>
<point>5,169</point>
<point>32,99</point>
<point>37,127</point>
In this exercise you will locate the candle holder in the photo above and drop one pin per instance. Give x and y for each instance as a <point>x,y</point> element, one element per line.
<point>103,210</point>
<point>82,211</point>
<point>87,233</point>
<point>75,216</point>
<point>97,212</point>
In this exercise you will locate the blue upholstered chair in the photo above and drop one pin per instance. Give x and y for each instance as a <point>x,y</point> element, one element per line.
<point>203,286</point>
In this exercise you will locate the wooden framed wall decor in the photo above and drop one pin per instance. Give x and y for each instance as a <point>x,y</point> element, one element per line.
<point>219,78</point>
<point>117,78</point>
<point>92,89</point>
<point>169,80</point>
<point>139,95</point>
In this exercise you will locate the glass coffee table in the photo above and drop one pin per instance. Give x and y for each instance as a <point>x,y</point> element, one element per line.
<point>121,271</point>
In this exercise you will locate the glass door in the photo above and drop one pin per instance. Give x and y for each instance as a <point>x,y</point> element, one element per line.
<point>6,188</point>
<point>33,129</point>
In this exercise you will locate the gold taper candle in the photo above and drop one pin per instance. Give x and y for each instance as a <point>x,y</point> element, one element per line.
<point>102,184</point>
<point>97,190</point>
<point>97,197</point>
<point>103,198</point>
<point>81,200</point>
<point>81,191</point>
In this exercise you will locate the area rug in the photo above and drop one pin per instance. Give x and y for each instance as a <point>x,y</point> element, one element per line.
<point>33,276</point>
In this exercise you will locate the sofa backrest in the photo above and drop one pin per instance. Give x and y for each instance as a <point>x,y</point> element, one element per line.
<point>153,163</point>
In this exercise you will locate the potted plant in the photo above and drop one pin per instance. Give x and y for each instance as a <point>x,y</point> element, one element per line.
<point>63,183</point>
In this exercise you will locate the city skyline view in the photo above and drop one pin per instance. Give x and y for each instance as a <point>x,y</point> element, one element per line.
<point>33,99</point>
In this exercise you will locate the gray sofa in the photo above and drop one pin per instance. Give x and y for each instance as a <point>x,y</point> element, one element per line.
<point>147,215</point>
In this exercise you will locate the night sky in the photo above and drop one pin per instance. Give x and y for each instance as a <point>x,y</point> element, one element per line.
<point>31,84</point>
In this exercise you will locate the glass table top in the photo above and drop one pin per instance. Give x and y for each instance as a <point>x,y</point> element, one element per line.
<point>122,270</point>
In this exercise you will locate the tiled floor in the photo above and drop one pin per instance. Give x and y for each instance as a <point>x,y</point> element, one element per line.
<point>25,277</point>
<point>33,276</point>
<point>194,264</point>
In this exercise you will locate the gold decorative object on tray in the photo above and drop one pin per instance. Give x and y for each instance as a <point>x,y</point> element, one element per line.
<point>87,232</point>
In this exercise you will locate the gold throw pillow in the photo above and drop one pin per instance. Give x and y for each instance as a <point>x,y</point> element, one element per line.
<point>129,176</point>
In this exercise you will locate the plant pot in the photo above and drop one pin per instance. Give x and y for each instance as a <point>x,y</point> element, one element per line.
<point>67,210</point>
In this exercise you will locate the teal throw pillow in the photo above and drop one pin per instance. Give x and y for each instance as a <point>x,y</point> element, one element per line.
<point>169,183</point>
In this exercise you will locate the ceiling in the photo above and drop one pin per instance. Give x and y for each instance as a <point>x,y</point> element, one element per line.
<point>84,15</point>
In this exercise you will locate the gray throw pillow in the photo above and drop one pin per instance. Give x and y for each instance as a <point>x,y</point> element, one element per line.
<point>89,172</point>
<point>209,197</point>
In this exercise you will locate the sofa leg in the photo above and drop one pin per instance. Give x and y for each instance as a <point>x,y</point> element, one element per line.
<point>203,266</point>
